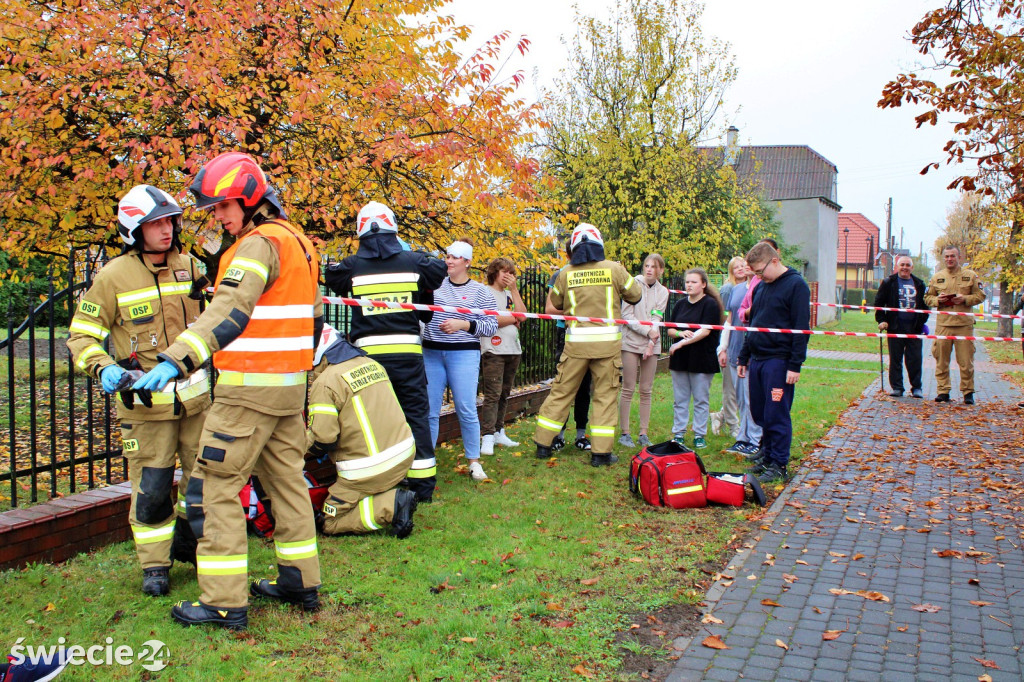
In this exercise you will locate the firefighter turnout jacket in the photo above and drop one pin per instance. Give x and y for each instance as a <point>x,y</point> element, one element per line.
<point>142,307</point>
<point>405,277</point>
<point>593,289</point>
<point>355,418</point>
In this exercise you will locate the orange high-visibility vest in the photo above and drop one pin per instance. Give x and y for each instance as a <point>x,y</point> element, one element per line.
<point>279,335</point>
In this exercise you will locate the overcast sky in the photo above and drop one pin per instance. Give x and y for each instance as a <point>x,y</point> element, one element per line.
<point>810,73</point>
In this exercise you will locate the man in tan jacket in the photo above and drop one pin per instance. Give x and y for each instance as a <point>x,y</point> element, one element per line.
<point>142,300</point>
<point>954,289</point>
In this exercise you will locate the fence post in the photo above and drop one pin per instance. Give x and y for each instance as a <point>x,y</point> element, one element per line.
<point>10,403</point>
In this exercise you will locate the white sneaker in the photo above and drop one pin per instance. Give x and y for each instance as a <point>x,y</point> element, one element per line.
<point>487,445</point>
<point>476,471</point>
<point>504,441</point>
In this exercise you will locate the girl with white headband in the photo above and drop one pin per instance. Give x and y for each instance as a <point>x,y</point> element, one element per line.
<point>451,349</point>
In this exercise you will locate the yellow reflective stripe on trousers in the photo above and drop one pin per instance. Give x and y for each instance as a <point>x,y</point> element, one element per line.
<point>94,330</point>
<point>548,424</point>
<point>423,468</point>
<point>198,345</point>
<point>250,265</point>
<point>233,564</point>
<point>602,431</point>
<point>301,549</point>
<point>365,426</point>
<point>259,379</point>
<point>91,350</point>
<point>385,460</point>
<point>323,408</point>
<point>680,491</point>
<point>145,535</point>
<point>366,513</point>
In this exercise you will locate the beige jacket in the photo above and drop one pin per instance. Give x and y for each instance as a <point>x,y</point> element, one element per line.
<point>961,281</point>
<point>650,308</point>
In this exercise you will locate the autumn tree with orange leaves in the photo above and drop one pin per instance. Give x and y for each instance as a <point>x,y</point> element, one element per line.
<point>341,102</point>
<point>972,77</point>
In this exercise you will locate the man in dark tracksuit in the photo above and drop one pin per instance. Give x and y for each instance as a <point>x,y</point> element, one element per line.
<point>382,271</point>
<point>772,360</point>
<point>902,289</point>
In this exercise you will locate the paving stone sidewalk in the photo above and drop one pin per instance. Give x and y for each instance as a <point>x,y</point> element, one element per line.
<point>931,538</point>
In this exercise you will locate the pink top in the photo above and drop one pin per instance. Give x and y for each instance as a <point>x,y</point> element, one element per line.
<point>747,298</point>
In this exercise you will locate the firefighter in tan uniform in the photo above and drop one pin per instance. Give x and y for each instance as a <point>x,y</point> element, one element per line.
<point>356,421</point>
<point>589,287</point>
<point>142,300</point>
<point>954,289</point>
<point>259,328</point>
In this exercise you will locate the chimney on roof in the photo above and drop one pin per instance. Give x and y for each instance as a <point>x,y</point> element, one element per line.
<point>732,149</point>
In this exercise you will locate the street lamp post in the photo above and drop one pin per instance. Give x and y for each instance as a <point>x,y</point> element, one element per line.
<point>867,260</point>
<point>846,262</point>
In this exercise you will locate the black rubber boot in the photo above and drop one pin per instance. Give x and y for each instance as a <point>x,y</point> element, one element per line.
<point>602,459</point>
<point>156,582</point>
<point>543,451</point>
<point>405,507</point>
<point>183,546</point>
<point>308,599</point>
<point>195,613</point>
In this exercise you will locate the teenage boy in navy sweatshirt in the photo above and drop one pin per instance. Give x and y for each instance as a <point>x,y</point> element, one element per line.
<point>772,360</point>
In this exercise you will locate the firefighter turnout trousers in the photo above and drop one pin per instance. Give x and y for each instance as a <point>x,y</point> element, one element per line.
<point>361,506</point>
<point>964,351</point>
<point>606,376</point>
<point>150,448</point>
<point>236,442</point>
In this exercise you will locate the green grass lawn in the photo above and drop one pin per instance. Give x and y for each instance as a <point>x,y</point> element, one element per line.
<point>526,576</point>
<point>852,321</point>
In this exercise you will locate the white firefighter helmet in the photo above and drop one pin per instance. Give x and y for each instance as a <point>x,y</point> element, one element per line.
<point>143,204</point>
<point>585,232</point>
<point>375,217</point>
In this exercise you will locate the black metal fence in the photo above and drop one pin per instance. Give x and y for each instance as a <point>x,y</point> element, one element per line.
<point>59,428</point>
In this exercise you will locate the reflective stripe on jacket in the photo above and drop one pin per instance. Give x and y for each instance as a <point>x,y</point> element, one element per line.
<point>278,338</point>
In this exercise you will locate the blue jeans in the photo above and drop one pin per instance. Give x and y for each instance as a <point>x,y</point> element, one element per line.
<point>749,431</point>
<point>459,369</point>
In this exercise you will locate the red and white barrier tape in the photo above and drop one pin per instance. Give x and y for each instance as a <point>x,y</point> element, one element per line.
<point>865,308</point>
<point>363,303</point>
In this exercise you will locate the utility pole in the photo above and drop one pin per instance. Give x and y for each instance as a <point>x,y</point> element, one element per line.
<point>888,233</point>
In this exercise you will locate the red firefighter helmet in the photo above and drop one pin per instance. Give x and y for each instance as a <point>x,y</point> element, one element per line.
<point>233,175</point>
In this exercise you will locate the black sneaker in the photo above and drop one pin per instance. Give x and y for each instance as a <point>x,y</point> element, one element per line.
<point>759,463</point>
<point>401,520</point>
<point>582,443</point>
<point>196,613</point>
<point>156,582</point>
<point>968,399</point>
<point>558,443</point>
<point>773,473</point>
<point>942,398</point>
<point>736,448</point>
<point>753,453</point>
<point>308,599</point>
<point>40,670</point>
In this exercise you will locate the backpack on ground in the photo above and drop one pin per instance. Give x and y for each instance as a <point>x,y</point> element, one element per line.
<point>668,475</point>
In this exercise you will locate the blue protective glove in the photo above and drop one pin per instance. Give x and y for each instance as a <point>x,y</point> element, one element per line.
<point>110,376</point>
<point>156,378</point>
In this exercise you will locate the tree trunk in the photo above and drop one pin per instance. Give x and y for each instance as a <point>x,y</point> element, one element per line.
<point>1005,326</point>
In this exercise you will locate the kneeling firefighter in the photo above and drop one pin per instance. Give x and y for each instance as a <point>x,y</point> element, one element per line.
<point>142,299</point>
<point>356,421</point>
